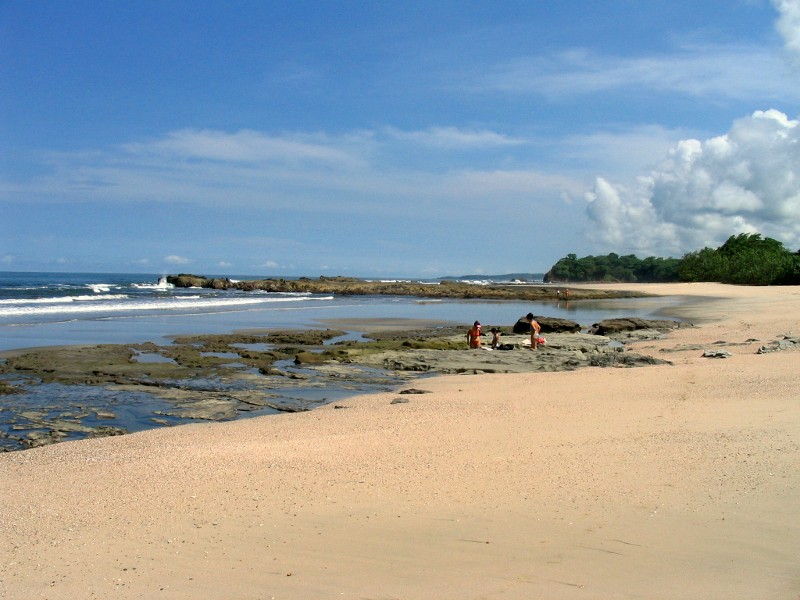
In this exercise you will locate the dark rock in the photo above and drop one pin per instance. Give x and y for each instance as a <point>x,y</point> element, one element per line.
<point>717,354</point>
<point>6,388</point>
<point>612,326</point>
<point>554,325</point>
<point>106,431</point>
<point>286,407</point>
<point>548,325</point>
<point>619,359</point>
<point>309,358</point>
<point>219,284</point>
<point>521,326</point>
<point>787,343</point>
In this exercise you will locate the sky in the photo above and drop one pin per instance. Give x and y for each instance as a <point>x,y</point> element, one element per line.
<point>391,139</point>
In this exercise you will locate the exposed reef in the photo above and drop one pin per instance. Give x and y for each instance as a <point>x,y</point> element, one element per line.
<point>349,286</point>
<point>57,394</point>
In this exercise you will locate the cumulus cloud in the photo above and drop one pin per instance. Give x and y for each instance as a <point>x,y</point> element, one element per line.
<point>745,181</point>
<point>788,24</point>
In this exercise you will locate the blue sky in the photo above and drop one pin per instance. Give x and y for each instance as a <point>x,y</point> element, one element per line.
<point>392,139</point>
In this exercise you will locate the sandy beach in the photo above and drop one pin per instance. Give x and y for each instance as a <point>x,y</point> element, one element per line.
<point>670,481</point>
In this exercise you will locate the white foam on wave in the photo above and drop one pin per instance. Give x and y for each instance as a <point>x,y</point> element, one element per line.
<point>96,298</point>
<point>292,294</point>
<point>117,304</point>
<point>104,288</point>
<point>476,281</point>
<point>62,299</point>
<point>161,285</point>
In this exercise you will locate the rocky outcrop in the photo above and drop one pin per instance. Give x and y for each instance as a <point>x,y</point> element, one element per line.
<point>349,286</point>
<point>563,352</point>
<point>548,325</point>
<point>787,343</point>
<point>614,326</point>
<point>88,391</point>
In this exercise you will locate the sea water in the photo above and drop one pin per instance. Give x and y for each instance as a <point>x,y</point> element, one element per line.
<point>54,309</point>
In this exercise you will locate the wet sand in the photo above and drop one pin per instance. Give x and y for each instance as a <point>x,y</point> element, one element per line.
<point>673,481</point>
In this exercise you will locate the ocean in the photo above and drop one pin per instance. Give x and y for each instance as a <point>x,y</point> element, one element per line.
<point>63,309</point>
<point>54,309</point>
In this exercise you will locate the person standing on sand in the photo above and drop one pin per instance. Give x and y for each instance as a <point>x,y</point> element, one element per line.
<point>535,329</point>
<point>474,335</point>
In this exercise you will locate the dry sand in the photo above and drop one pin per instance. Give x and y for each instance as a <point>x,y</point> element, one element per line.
<point>677,481</point>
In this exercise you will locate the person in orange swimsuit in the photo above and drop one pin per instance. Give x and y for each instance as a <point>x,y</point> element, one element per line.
<point>474,335</point>
<point>535,329</point>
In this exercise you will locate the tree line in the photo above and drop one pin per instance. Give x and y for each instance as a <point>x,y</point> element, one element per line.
<point>744,259</point>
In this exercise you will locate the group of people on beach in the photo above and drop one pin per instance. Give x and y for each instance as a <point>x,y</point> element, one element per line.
<point>475,332</point>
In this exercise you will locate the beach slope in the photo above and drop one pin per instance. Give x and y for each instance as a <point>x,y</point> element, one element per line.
<point>670,481</point>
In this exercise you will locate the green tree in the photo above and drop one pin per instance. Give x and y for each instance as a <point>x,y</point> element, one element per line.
<point>745,259</point>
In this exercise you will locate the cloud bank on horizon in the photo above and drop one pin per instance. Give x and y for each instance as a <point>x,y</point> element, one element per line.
<point>746,181</point>
<point>418,140</point>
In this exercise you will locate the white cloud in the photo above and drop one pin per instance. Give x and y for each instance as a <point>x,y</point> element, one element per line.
<point>247,146</point>
<point>788,24</point>
<point>386,171</point>
<point>717,71</point>
<point>454,137</point>
<point>174,259</point>
<point>502,183</point>
<point>624,151</point>
<point>624,223</point>
<point>745,181</point>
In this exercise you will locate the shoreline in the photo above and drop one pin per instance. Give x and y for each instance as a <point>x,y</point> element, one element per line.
<point>673,481</point>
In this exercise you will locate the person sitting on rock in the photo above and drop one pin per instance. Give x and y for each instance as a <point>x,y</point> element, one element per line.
<point>474,335</point>
<point>495,338</point>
